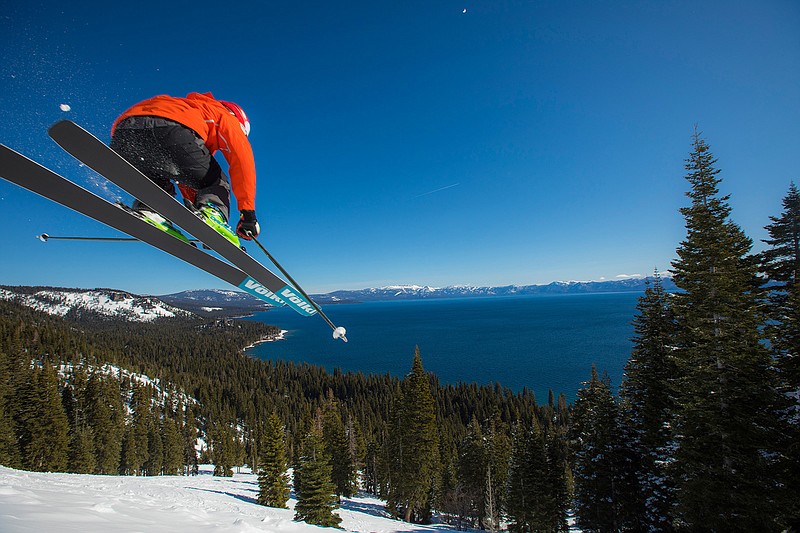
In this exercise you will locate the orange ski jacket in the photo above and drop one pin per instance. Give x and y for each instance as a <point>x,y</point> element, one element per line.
<point>217,127</point>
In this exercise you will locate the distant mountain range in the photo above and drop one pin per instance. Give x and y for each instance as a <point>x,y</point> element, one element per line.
<point>416,292</point>
<point>214,303</point>
<point>231,302</point>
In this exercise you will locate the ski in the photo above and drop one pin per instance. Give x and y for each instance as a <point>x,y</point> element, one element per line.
<point>94,153</point>
<point>30,175</point>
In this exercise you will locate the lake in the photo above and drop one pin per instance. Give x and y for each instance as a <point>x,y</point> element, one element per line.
<point>540,342</point>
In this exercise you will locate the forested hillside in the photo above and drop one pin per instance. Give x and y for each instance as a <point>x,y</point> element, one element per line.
<point>87,418</point>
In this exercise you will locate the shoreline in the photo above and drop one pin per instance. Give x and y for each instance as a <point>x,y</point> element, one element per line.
<point>269,338</point>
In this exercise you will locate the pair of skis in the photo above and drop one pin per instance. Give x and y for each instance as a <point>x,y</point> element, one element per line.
<point>241,270</point>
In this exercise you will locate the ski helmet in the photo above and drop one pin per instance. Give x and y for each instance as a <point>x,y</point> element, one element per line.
<point>240,115</point>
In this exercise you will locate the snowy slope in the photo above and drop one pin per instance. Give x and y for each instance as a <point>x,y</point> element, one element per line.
<point>105,302</point>
<point>33,501</point>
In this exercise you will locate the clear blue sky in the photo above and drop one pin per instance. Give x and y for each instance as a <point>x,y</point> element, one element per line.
<point>412,142</point>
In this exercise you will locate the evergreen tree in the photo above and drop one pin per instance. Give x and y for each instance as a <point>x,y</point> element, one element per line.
<point>47,449</point>
<point>137,452</point>
<point>519,488</point>
<point>337,447</point>
<point>106,416</point>
<point>9,449</point>
<point>472,468</point>
<point>273,481</point>
<point>414,443</point>
<point>313,487</point>
<point>81,441</point>
<point>726,412</point>
<point>528,486</point>
<point>81,449</point>
<point>129,455</point>
<point>371,468</point>
<point>781,261</point>
<point>498,457</point>
<point>595,430</point>
<point>223,450</point>
<point>357,447</point>
<point>780,264</point>
<point>558,491</point>
<point>189,435</point>
<point>647,397</point>
<point>155,445</point>
<point>172,444</point>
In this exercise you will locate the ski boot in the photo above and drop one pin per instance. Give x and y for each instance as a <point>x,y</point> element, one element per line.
<point>214,218</point>
<point>155,219</point>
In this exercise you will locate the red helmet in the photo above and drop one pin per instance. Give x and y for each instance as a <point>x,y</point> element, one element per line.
<point>240,115</point>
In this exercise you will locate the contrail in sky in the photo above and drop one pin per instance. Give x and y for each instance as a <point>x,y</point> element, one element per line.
<point>436,190</point>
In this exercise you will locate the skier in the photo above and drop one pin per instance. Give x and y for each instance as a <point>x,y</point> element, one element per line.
<point>169,138</point>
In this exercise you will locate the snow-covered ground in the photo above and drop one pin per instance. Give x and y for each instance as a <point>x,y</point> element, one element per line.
<point>44,502</point>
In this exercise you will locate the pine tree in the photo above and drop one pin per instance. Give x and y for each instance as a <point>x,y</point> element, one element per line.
<point>106,416</point>
<point>648,401</point>
<point>172,444</point>
<point>81,458</point>
<point>155,445</point>
<point>357,447</point>
<point>9,449</point>
<point>47,449</point>
<point>316,498</point>
<point>223,450</point>
<point>129,455</point>
<point>81,449</point>
<point>726,409</point>
<point>371,468</point>
<point>520,482</point>
<point>595,429</point>
<point>780,264</point>
<point>414,444</point>
<point>472,468</point>
<point>498,457</point>
<point>558,492</point>
<point>337,447</point>
<point>273,481</point>
<point>137,452</point>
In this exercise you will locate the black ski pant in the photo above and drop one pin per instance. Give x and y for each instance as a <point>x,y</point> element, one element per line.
<point>164,150</point>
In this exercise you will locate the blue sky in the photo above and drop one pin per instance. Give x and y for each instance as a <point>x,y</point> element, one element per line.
<point>413,142</point>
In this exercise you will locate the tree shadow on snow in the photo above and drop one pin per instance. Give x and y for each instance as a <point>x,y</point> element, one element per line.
<point>240,497</point>
<point>374,509</point>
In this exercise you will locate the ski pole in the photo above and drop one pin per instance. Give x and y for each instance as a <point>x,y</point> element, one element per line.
<point>338,332</point>
<point>44,237</point>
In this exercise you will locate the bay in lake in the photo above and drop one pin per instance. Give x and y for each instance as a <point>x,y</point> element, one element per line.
<point>539,342</point>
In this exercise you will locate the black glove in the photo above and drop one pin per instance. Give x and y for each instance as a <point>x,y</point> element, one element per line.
<point>248,227</point>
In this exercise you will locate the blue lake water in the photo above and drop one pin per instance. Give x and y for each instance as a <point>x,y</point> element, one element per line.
<point>538,342</point>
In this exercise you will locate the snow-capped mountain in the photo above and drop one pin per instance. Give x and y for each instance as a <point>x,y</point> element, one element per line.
<point>413,292</point>
<point>106,303</point>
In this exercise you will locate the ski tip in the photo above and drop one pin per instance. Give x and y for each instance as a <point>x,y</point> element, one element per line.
<point>61,124</point>
<point>339,333</point>
<point>43,237</point>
